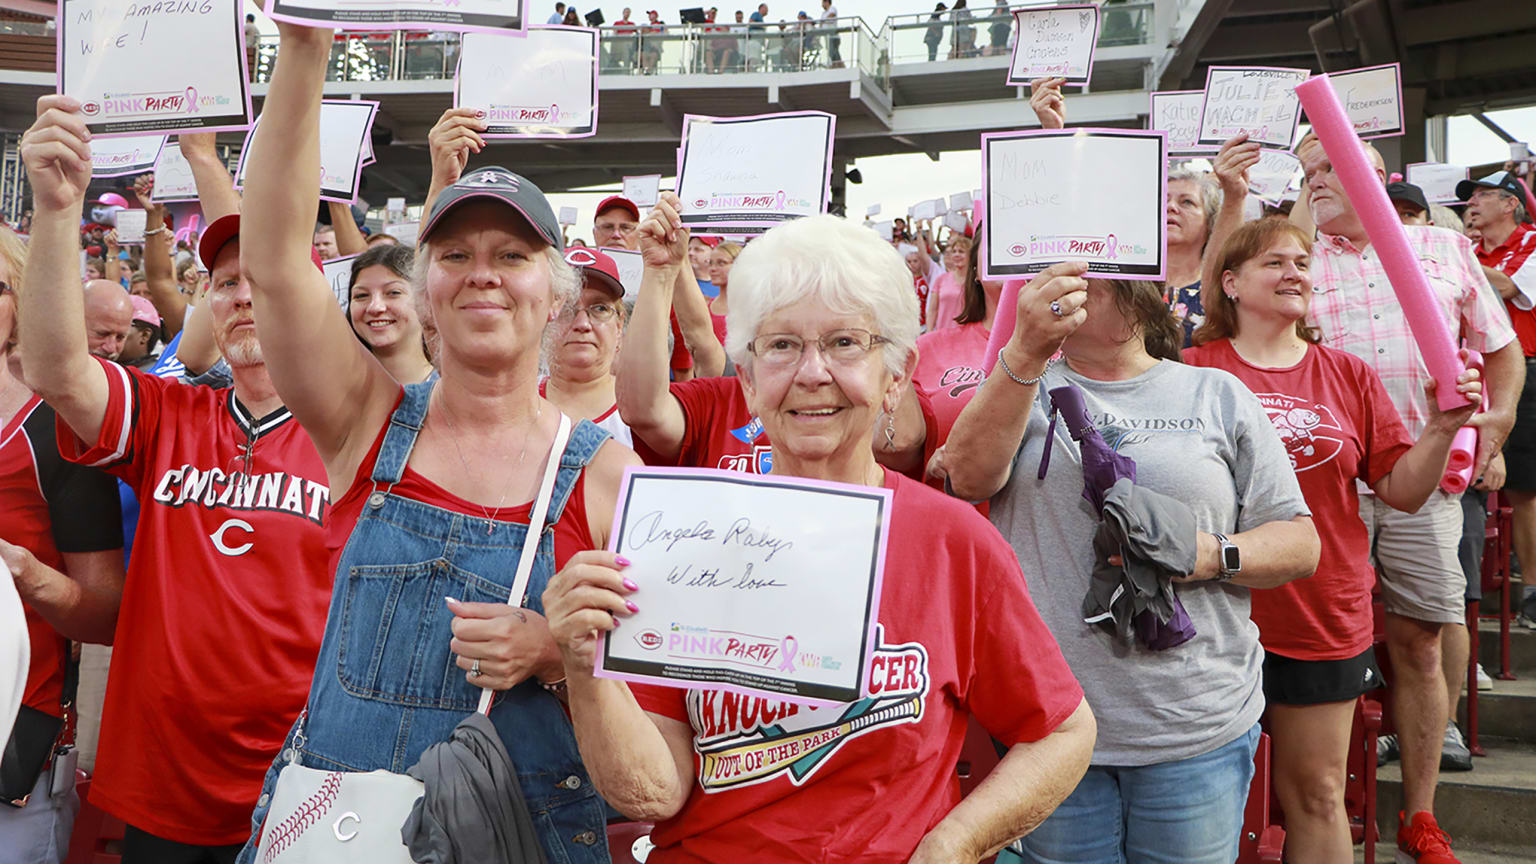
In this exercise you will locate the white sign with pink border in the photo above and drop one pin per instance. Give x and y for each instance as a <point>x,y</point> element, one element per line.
<point>461,15</point>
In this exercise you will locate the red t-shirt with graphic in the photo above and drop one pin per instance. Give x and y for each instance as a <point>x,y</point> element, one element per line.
<point>719,430</point>
<point>1338,425</point>
<point>223,608</point>
<point>949,367</point>
<point>958,636</point>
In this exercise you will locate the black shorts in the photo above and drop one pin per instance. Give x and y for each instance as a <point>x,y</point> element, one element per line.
<point>1474,536</point>
<point>1520,449</point>
<point>1288,681</point>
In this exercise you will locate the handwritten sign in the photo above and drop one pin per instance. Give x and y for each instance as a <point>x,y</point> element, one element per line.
<point>1372,98</point>
<point>1260,101</point>
<point>130,227</point>
<point>1273,176</point>
<point>461,15</point>
<point>542,85</point>
<point>567,216</point>
<point>924,211</point>
<point>956,222</point>
<point>766,585</point>
<point>139,67</point>
<point>338,274</point>
<point>114,157</point>
<point>1054,42</point>
<point>345,125</point>
<point>960,201</point>
<point>874,210</point>
<point>1092,195</point>
<point>886,229</point>
<point>173,175</point>
<point>1438,181</point>
<point>755,172</point>
<point>644,190</point>
<point>631,270</point>
<point>405,232</point>
<point>1177,113</point>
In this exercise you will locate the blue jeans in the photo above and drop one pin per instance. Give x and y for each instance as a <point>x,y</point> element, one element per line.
<point>39,832</point>
<point>1184,812</point>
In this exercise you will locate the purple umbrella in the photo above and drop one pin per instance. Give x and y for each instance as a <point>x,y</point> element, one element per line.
<point>1147,595</point>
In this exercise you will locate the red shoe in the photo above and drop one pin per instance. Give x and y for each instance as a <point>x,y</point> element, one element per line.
<point>1422,842</point>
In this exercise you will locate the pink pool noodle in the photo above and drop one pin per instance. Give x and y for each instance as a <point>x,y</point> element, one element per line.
<point>1002,323</point>
<point>1458,468</point>
<point>1358,177</point>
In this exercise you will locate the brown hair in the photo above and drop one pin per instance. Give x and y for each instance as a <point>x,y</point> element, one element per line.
<point>1246,243</point>
<point>975,308</point>
<point>1141,304</point>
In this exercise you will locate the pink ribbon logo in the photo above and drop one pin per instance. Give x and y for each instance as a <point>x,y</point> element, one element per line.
<point>554,113</point>
<point>787,649</point>
<point>780,201</point>
<point>191,100</point>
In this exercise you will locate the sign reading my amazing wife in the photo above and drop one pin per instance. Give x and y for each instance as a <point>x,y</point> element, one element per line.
<point>542,85</point>
<point>1054,42</point>
<point>345,127</point>
<point>140,66</point>
<point>1372,98</point>
<point>498,15</point>
<point>1091,195</point>
<point>1177,112</point>
<point>1259,101</point>
<point>762,585</point>
<point>754,172</point>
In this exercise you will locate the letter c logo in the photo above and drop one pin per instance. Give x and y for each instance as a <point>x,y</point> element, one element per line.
<point>336,829</point>
<point>232,551</point>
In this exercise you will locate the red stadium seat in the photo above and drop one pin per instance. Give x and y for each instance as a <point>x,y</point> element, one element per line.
<point>97,837</point>
<point>625,839</point>
<point>1262,841</point>
<point>977,757</point>
<point>1360,778</point>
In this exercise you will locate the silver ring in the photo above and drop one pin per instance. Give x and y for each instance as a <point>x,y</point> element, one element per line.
<point>1056,308</point>
<point>474,669</point>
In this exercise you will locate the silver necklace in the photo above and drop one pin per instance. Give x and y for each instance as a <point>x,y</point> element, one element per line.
<point>454,427</point>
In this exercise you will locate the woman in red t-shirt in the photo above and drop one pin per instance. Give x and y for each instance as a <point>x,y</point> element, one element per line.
<point>1339,426</point>
<point>823,335</point>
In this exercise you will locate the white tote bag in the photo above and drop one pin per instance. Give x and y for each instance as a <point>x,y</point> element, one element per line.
<point>341,817</point>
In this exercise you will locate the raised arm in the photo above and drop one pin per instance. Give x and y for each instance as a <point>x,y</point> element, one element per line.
<point>159,270</point>
<point>51,319</point>
<point>979,452</point>
<point>349,237</point>
<point>216,195</point>
<point>455,136</point>
<point>1049,105</point>
<point>296,316</point>
<point>81,605</point>
<point>646,404</point>
<point>1237,156</point>
<point>698,327</point>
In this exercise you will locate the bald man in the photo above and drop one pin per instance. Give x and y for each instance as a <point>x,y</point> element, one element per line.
<point>108,318</point>
<point>1356,310</point>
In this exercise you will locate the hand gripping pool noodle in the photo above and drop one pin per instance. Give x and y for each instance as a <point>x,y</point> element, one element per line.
<point>1458,468</point>
<point>1385,230</point>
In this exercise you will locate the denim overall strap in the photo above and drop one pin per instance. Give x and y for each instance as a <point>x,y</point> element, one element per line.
<point>400,438</point>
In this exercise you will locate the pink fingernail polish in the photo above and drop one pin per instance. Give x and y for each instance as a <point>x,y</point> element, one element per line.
<point>621,561</point>
<point>631,585</point>
<point>631,606</point>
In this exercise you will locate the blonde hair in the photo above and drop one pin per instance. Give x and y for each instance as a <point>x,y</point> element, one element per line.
<point>13,253</point>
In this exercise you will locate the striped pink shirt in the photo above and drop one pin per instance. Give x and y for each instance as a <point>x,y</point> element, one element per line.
<point>1354,306</point>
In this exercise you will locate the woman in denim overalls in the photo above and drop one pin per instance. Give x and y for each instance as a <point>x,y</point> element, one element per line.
<point>433,482</point>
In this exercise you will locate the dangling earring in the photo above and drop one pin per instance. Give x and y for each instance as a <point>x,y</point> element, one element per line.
<point>1233,298</point>
<point>890,430</point>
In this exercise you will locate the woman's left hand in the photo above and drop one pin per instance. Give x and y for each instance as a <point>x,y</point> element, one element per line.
<point>1469,384</point>
<point>511,644</point>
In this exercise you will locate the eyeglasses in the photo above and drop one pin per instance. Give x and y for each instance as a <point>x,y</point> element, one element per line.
<point>597,313</point>
<point>839,347</point>
<point>5,288</point>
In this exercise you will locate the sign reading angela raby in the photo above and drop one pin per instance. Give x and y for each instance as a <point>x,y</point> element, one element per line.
<point>141,66</point>
<point>539,85</point>
<point>754,172</point>
<point>1054,42</point>
<point>1092,195</point>
<point>497,15</point>
<point>1260,101</point>
<point>767,586</point>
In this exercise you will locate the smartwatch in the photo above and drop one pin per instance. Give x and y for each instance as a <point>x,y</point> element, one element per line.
<point>1228,557</point>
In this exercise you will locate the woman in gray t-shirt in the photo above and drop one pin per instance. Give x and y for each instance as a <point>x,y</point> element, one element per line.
<point>1177,727</point>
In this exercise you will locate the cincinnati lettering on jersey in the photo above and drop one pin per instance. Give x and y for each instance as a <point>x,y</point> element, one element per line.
<point>211,489</point>
<point>742,740</point>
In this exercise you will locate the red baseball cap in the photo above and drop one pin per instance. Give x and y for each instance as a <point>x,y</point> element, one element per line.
<point>222,231</point>
<point>711,242</point>
<point>597,269</point>
<point>613,201</point>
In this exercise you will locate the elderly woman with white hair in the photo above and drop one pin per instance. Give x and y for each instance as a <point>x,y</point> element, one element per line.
<point>822,328</point>
<point>434,483</point>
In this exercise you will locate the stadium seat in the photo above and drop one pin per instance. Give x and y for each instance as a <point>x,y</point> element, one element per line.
<point>629,842</point>
<point>97,837</point>
<point>1262,841</point>
<point>1360,776</point>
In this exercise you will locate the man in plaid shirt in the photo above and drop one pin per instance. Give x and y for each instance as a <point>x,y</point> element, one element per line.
<point>1422,582</point>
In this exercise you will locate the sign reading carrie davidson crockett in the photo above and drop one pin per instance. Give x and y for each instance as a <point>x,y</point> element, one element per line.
<point>140,66</point>
<point>542,85</point>
<point>1054,42</point>
<point>1260,101</point>
<point>498,15</point>
<point>1373,99</point>
<point>1091,195</point>
<point>754,172</point>
<point>762,585</point>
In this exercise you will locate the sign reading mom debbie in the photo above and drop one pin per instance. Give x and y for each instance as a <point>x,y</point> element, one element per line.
<point>141,66</point>
<point>761,585</point>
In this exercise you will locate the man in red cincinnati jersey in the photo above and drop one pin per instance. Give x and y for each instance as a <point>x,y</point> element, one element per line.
<point>226,594</point>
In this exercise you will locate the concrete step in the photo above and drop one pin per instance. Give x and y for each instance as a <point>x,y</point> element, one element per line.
<point>1505,854</point>
<point>1507,711</point>
<point>1522,648</point>
<point>1492,806</point>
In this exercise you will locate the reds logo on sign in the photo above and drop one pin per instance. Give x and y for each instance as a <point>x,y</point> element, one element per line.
<point>1310,430</point>
<point>650,640</point>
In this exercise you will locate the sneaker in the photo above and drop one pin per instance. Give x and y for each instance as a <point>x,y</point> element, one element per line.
<point>1386,749</point>
<point>1422,841</point>
<point>1484,680</point>
<point>1454,755</point>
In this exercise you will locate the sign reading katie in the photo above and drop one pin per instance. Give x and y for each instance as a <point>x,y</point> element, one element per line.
<point>1177,112</point>
<point>1372,98</point>
<point>754,172</point>
<point>345,126</point>
<point>542,85</point>
<point>1055,42</point>
<point>403,14</point>
<point>761,585</point>
<point>1091,195</point>
<point>1260,101</point>
<point>138,67</point>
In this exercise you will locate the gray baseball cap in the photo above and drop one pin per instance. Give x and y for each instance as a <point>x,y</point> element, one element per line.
<point>498,184</point>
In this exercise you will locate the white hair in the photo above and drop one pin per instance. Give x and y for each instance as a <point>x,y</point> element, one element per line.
<point>564,287</point>
<point>840,263</point>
